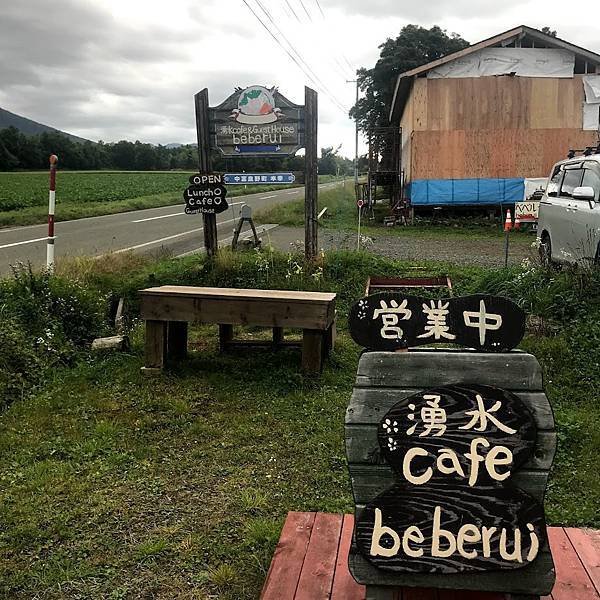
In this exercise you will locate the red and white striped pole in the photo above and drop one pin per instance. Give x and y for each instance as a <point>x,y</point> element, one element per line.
<point>51,207</point>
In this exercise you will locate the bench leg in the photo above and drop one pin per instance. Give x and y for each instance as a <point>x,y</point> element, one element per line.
<point>277,336</point>
<point>177,334</point>
<point>330,336</point>
<point>155,346</point>
<point>225,336</point>
<point>313,350</point>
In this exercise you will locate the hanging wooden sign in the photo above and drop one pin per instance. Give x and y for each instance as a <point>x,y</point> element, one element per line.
<point>390,320</point>
<point>453,509</point>
<point>257,121</point>
<point>205,195</point>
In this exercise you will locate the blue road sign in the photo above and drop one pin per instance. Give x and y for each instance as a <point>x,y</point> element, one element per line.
<point>257,149</point>
<point>254,178</point>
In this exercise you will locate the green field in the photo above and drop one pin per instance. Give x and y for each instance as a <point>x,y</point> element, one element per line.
<point>22,190</point>
<point>24,195</point>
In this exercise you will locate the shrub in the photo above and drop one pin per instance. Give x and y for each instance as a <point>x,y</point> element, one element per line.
<point>21,366</point>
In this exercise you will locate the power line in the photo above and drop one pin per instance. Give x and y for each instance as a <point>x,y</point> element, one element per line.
<point>268,14</point>
<point>306,11</point>
<point>352,69</point>
<point>312,77</point>
<point>293,11</point>
<point>320,9</point>
<point>292,47</point>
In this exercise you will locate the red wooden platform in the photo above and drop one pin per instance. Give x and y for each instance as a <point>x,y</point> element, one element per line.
<point>311,563</point>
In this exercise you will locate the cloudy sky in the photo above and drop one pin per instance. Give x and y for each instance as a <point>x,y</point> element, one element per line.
<point>128,69</point>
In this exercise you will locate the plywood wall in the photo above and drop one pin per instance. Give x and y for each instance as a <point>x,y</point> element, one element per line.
<point>492,153</point>
<point>493,103</point>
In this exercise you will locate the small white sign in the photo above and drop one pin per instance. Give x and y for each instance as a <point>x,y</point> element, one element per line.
<point>527,212</point>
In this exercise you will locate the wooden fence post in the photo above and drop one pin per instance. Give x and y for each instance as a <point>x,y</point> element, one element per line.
<point>311,176</point>
<point>205,166</point>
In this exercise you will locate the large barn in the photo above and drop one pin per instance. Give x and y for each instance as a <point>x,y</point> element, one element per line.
<point>477,123</point>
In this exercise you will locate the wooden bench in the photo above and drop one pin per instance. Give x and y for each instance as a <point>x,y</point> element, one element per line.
<point>168,309</point>
<point>311,562</point>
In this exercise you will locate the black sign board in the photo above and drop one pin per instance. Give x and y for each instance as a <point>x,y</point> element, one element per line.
<point>205,195</point>
<point>256,121</point>
<point>389,321</point>
<point>453,507</point>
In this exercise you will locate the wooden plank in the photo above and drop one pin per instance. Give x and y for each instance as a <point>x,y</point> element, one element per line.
<point>316,578</point>
<point>572,580</point>
<point>233,311</point>
<point>369,405</point>
<point>423,368</point>
<point>313,350</point>
<point>155,346</point>
<point>368,481</point>
<point>537,577</point>
<point>362,447</point>
<point>226,293</point>
<point>282,579</point>
<point>587,546</point>
<point>344,585</point>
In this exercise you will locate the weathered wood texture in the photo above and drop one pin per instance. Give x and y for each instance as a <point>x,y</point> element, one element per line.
<point>205,166</point>
<point>499,153</point>
<point>269,308</point>
<point>314,312</point>
<point>491,127</point>
<point>311,187</point>
<point>156,344</point>
<point>576,551</point>
<point>383,379</point>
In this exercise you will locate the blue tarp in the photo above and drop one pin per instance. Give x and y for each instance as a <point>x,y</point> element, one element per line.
<point>465,192</point>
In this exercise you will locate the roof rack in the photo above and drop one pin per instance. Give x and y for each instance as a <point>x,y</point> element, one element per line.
<point>588,151</point>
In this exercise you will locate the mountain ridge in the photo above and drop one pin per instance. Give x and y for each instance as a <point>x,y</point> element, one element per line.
<point>31,127</point>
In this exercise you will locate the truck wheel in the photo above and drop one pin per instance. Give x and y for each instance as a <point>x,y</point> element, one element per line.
<point>546,251</point>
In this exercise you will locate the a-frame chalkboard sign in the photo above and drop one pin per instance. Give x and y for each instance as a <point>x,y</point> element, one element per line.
<point>257,121</point>
<point>449,450</point>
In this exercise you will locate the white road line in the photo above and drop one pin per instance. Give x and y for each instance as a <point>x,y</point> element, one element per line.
<point>23,242</point>
<point>265,197</point>
<point>294,192</point>
<point>160,217</point>
<point>165,239</point>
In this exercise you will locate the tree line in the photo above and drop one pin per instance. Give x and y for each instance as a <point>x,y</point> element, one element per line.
<point>27,152</point>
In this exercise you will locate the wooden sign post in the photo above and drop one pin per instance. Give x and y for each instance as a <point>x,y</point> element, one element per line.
<point>311,186</point>
<point>448,450</point>
<point>205,166</point>
<point>259,121</point>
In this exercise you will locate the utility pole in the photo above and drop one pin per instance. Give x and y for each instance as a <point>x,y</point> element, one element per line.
<point>355,134</point>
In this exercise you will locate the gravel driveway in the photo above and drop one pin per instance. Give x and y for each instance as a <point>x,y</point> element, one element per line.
<point>454,249</point>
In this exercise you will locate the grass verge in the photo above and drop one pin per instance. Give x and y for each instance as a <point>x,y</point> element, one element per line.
<point>342,214</point>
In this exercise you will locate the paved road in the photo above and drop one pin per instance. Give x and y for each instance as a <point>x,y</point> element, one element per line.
<point>140,230</point>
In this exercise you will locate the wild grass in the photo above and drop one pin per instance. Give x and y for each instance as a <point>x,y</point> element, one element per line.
<point>118,486</point>
<point>342,213</point>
